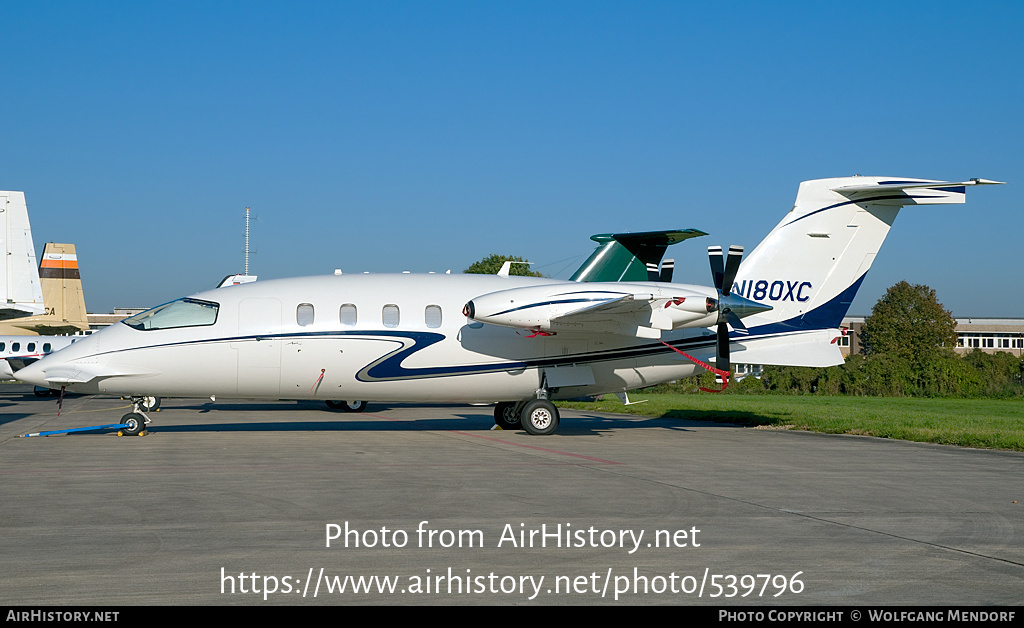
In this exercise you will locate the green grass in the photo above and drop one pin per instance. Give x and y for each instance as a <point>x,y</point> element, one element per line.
<point>992,424</point>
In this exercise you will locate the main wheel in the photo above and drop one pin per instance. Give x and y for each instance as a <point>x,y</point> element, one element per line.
<point>540,417</point>
<point>134,423</point>
<point>505,416</point>
<point>347,406</point>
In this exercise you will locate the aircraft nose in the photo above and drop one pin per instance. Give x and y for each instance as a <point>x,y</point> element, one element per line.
<point>32,374</point>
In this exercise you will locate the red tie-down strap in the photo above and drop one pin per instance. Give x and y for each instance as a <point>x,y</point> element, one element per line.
<point>538,332</point>
<point>318,380</point>
<point>719,372</point>
<point>844,331</point>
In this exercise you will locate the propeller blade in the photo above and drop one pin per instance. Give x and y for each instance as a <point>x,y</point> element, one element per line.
<point>722,359</point>
<point>734,321</point>
<point>666,270</point>
<point>717,266</point>
<point>732,266</point>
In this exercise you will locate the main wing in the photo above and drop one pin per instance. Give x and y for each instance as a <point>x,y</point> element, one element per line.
<point>611,308</point>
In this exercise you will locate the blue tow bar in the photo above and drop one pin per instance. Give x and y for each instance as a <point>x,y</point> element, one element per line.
<point>77,429</point>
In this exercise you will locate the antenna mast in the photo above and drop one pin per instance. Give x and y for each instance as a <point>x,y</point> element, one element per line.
<point>246,241</point>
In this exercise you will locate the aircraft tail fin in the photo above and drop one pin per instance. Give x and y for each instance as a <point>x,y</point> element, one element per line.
<point>20,292</point>
<point>62,288</point>
<point>631,256</point>
<point>811,265</point>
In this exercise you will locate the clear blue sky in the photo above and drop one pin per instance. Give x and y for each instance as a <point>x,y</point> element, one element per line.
<point>425,135</point>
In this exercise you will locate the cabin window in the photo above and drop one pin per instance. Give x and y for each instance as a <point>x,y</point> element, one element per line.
<point>348,315</point>
<point>432,316</point>
<point>181,313</point>
<point>304,314</point>
<point>15,346</point>
<point>390,316</point>
<point>31,347</point>
<point>46,347</point>
<point>3,346</point>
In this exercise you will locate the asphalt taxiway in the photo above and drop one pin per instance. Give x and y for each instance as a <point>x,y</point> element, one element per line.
<point>233,502</point>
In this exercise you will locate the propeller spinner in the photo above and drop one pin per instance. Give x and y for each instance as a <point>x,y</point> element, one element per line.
<point>731,307</point>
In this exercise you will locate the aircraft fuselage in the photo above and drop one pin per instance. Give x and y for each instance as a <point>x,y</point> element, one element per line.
<point>401,338</point>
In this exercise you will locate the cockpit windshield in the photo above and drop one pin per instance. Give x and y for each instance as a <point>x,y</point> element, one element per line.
<point>180,313</point>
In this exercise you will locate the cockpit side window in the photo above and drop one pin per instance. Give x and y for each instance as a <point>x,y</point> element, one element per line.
<point>181,313</point>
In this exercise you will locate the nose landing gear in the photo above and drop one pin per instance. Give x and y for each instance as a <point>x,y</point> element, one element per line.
<point>136,420</point>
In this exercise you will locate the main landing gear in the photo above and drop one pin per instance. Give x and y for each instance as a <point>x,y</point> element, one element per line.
<point>347,406</point>
<point>538,417</point>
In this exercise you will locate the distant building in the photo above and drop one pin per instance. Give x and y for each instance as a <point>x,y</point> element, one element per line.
<point>988,334</point>
<point>99,321</point>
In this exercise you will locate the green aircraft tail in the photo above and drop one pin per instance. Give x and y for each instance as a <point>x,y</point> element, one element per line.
<point>632,256</point>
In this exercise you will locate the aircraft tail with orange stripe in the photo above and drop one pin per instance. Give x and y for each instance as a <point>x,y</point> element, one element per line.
<point>63,297</point>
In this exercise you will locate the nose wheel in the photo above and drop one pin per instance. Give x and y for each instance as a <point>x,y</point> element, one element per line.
<point>134,424</point>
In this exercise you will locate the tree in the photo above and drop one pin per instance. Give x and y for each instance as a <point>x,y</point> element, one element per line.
<point>909,323</point>
<point>491,264</point>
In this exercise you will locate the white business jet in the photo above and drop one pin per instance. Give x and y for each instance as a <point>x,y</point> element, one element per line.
<point>18,351</point>
<point>517,341</point>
